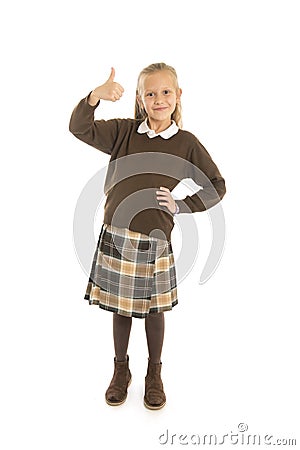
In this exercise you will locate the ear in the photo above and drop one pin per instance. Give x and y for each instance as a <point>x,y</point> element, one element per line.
<point>178,95</point>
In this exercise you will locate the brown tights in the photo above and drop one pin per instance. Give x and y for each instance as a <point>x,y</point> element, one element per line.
<point>154,327</point>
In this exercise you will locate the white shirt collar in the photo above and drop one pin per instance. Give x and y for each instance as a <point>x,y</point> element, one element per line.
<point>166,134</point>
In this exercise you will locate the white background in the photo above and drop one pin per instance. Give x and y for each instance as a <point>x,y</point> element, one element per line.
<point>231,352</point>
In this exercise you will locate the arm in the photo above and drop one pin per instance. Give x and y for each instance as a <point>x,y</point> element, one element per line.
<point>101,134</point>
<point>206,174</point>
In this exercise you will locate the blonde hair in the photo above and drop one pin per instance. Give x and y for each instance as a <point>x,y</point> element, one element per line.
<point>139,111</point>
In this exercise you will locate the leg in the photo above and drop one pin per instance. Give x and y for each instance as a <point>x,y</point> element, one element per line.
<point>121,333</point>
<point>116,393</point>
<point>154,390</point>
<point>155,330</point>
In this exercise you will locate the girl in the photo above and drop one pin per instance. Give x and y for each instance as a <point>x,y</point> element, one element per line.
<point>133,272</point>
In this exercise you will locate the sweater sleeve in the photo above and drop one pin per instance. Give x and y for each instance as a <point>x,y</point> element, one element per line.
<point>100,134</point>
<point>202,169</point>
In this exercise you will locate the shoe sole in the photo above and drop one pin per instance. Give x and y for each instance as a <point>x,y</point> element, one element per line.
<point>123,401</point>
<point>153,407</point>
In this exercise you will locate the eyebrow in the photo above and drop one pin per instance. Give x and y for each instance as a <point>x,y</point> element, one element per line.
<point>163,88</point>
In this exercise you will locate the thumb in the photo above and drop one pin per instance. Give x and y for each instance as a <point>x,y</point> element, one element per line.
<point>112,75</point>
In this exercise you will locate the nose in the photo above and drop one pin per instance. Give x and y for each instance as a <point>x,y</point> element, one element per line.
<point>158,99</point>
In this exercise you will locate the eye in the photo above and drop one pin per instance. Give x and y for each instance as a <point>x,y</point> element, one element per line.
<point>166,91</point>
<point>150,94</point>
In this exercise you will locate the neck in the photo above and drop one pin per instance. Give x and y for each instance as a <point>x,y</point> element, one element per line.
<point>158,126</point>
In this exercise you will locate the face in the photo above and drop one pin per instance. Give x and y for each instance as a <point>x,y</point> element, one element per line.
<point>159,97</point>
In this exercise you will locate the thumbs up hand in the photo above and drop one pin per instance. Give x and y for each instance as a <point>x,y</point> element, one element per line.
<point>110,90</point>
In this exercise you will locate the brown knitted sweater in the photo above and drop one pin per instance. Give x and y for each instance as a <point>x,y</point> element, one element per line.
<point>140,165</point>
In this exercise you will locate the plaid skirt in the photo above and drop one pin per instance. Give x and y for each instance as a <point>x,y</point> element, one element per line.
<point>132,274</point>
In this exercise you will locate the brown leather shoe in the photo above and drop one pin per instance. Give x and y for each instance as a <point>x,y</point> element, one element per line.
<point>155,397</point>
<point>116,393</point>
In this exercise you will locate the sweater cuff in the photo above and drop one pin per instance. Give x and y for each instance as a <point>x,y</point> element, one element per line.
<point>87,101</point>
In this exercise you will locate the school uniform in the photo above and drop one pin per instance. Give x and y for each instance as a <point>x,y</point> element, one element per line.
<point>133,271</point>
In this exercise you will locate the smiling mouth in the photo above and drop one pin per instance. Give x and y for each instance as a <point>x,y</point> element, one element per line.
<point>160,109</point>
